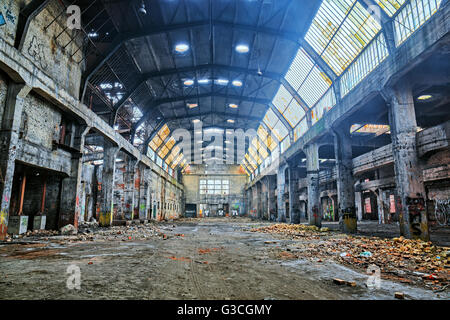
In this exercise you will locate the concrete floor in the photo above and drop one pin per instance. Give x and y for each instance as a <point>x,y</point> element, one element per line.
<point>214,259</point>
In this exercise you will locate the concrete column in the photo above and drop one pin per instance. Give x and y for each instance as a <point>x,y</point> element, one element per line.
<point>359,206</point>
<point>138,180</point>
<point>9,143</point>
<point>345,182</point>
<point>128,193</point>
<point>108,176</point>
<point>259,204</point>
<point>72,188</point>
<point>294,212</point>
<point>281,181</point>
<point>312,172</point>
<point>271,182</point>
<point>408,175</point>
<point>380,205</point>
<point>144,195</point>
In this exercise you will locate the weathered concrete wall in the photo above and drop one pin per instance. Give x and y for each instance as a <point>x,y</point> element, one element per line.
<point>10,10</point>
<point>45,44</point>
<point>40,121</point>
<point>3,91</point>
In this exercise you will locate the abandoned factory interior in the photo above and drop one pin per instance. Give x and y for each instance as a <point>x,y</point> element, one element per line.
<point>225,150</point>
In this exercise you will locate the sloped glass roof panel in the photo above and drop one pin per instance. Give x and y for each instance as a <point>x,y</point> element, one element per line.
<point>327,21</point>
<point>301,129</point>
<point>300,69</point>
<point>159,138</point>
<point>294,113</point>
<point>271,119</point>
<point>280,131</point>
<point>251,162</point>
<point>340,31</point>
<point>314,87</point>
<point>369,59</point>
<point>325,104</point>
<point>390,6</point>
<point>412,16</point>
<point>282,99</point>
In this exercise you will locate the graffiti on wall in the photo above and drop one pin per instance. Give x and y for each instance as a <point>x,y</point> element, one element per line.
<point>2,19</point>
<point>36,51</point>
<point>416,207</point>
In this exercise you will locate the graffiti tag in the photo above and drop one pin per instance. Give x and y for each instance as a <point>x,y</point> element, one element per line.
<point>36,51</point>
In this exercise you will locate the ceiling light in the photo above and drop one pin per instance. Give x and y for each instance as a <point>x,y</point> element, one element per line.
<point>142,9</point>
<point>182,47</point>
<point>242,48</point>
<point>203,81</point>
<point>192,105</point>
<point>425,97</point>
<point>222,82</point>
<point>188,82</point>
<point>230,121</point>
<point>237,83</point>
<point>233,106</point>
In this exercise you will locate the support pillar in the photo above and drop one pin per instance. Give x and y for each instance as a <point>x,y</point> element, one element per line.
<point>359,205</point>
<point>144,194</point>
<point>108,176</point>
<point>312,172</point>
<point>259,200</point>
<point>345,182</point>
<point>71,186</point>
<point>281,181</point>
<point>380,205</point>
<point>294,212</point>
<point>408,175</point>
<point>9,143</point>
<point>128,193</point>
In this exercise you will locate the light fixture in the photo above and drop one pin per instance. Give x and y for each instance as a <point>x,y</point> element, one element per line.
<point>230,121</point>
<point>142,9</point>
<point>203,81</point>
<point>425,97</point>
<point>192,105</point>
<point>182,47</point>
<point>242,48</point>
<point>188,82</point>
<point>233,106</point>
<point>237,83</point>
<point>222,82</point>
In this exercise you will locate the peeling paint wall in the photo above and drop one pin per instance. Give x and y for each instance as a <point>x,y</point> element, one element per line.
<point>40,121</point>
<point>3,91</point>
<point>10,10</point>
<point>49,52</point>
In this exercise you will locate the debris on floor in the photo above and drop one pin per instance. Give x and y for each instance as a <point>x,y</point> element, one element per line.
<point>297,231</point>
<point>398,258</point>
<point>90,231</point>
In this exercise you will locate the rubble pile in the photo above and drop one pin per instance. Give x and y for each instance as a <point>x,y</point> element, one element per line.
<point>297,231</point>
<point>90,231</point>
<point>399,258</point>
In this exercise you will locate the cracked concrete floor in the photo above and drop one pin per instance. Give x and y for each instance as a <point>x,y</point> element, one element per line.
<point>202,259</point>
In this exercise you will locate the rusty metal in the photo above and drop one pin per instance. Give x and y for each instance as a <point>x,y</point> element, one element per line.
<point>44,191</point>
<point>22,193</point>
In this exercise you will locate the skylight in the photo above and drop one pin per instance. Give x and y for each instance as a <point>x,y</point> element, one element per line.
<point>340,31</point>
